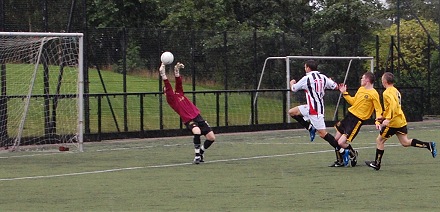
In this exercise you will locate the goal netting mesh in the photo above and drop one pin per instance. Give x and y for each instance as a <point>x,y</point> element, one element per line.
<point>41,91</point>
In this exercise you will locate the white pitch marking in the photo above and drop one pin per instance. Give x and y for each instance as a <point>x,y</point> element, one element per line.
<point>69,174</point>
<point>170,165</point>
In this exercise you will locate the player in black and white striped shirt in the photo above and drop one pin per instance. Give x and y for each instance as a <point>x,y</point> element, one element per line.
<point>311,115</point>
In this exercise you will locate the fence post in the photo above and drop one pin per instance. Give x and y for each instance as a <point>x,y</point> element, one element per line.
<point>225,62</point>
<point>124,76</point>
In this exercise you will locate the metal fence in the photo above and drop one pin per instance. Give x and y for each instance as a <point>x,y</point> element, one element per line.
<point>139,115</point>
<point>221,69</point>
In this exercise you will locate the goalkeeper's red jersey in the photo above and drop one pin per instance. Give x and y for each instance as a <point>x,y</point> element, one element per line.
<point>182,105</point>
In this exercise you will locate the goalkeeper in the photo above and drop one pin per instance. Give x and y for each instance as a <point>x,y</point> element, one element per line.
<point>188,112</point>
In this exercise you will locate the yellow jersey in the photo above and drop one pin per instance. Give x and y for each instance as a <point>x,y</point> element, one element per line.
<point>392,102</point>
<point>364,102</point>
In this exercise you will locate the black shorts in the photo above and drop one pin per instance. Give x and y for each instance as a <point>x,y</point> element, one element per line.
<point>387,132</point>
<point>198,121</point>
<point>349,126</point>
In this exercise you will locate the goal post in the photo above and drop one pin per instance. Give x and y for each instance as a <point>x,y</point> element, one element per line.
<point>41,90</point>
<point>289,59</point>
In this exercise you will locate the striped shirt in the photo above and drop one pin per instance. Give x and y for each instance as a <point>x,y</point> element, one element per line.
<point>314,84</point>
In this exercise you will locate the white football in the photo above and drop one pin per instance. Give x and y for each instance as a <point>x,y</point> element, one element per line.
<point>167,58</point>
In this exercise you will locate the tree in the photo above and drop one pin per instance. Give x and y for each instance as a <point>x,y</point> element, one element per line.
<point>427,9</point>
<point>34,15</point>
<point>221,15</point>
<point>199,15</point>
<point>413,43</point>
<point>125,13</point>
<point>345,17</point>
<point>412,67</point>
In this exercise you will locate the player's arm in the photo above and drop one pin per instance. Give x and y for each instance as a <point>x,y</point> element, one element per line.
<point>343,89</point>
<point>292,82</point>
<point>168,88</point>
<point>332,84</point>
<point>179,86</point>
<point>378,108</point>
<point>389,107</point>
<point>162,72</point>
<point>300,85</point>
<point>177,68</point>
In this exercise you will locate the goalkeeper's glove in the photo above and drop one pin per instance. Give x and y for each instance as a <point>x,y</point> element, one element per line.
<point>177,68</point>
<point>162,71</point>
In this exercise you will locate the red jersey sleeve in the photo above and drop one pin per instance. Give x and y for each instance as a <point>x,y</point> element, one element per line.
<point>179,86</point>
<point>168,88</point>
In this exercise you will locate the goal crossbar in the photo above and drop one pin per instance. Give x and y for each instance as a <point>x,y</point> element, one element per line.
<point>42,34</point>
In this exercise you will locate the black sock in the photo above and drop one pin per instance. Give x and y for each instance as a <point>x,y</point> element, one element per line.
<point>197,143</point>
<point>351,150</point>
<point>379,155</point>
<point>207,144</point>
<point>303,122</point>
<point>419,144</point>
<point>338,156</point>
<point>332,141</point>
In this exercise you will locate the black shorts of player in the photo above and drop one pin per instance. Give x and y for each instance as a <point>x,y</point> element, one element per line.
<point>349,126</point>
<point>198,121</point>
<point>387,132</point>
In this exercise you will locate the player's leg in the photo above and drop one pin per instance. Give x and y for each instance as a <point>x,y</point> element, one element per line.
<point>197,142</point>
<point>350,154</point>
<point>384,134</point>
<point>344,150</point>
<point>295,113</point>
<point>334,143</point>
<point>341,139</point>
<point>353,154</point>
<point>339,161</point>
<point>210,138</point>
<point>349,127</point>
<point>197,133</point>
<point>406,142</point>
<point>298,113</point>
<point>319,123</point>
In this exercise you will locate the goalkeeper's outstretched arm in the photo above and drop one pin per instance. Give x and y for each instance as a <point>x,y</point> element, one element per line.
<point>162,72</point>
<point>177,68</point>
<point>179,86</point>
<point>167,89</point>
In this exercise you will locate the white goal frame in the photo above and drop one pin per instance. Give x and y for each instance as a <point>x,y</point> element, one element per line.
<point>299,57</point>
<point>80,81</point>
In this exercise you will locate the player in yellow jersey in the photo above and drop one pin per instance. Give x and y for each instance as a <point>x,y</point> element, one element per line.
<point>363,104</point>
<point>394,123</point>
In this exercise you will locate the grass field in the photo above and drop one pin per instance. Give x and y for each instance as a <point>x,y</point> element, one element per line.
<point>259,171</point>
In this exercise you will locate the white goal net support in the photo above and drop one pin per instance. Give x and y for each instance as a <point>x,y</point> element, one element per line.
<point>41,95</point>
<point>289,59</point>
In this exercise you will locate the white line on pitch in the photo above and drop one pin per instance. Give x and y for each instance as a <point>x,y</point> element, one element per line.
<point>70,174</point>
<point>170,165</point>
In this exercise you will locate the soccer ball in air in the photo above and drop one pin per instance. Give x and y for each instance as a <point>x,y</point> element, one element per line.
<point>167,58</point>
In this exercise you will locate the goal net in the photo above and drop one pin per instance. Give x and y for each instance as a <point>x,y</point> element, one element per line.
<point>41,81</point>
